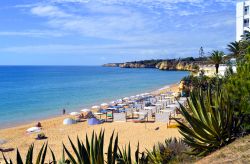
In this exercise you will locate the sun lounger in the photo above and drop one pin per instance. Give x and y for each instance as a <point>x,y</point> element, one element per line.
<point>162,117</point>
<point>140,119</point>
<point>119,117</point>
<point>94,121</point>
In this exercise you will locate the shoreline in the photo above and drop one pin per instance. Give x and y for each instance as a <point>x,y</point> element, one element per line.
<point>57,133</point>
<point>51,117</point>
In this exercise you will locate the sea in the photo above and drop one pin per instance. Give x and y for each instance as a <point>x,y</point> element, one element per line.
<point>32,93</point>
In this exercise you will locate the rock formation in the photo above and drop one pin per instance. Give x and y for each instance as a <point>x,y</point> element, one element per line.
<point>162,65</point>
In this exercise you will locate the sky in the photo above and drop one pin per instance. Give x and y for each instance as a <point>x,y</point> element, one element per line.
<point>94,32</point>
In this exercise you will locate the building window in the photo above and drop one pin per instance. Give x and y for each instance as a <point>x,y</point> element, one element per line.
<point>246,10</point>
<point>246,22</point>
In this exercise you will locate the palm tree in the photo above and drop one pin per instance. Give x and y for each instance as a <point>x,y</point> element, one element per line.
<point>217,58</point>
<point>234,49</point>
<point>246,35</point>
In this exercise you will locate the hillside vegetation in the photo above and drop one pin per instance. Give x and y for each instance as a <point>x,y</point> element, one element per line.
<point>236,152</point>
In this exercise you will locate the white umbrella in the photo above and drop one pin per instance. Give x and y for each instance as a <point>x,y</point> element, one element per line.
<point>74,113</point>
<point>112,103</point>
<point>131,101</point>
<point>33,130</point>
<point>95,107</point>
<point>126,98</point>
<point>119,100</point>
<point>132,97</point>
<point>104,104</point>
<point>68,121</point>
<point>85,110</point>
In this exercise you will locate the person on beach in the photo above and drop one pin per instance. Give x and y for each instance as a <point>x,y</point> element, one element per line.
<point>64,111</point>
<point>39,125</point>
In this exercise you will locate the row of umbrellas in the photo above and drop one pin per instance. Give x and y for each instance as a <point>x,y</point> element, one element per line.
<point>119,102</point>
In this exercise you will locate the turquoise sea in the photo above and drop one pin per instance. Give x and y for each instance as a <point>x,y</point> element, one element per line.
<point>29,93</point>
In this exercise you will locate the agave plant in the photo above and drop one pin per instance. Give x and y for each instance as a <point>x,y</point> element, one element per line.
<point>165,152</point>
<point>29,157</point>
<point>92,152</point>
<point>124,156</point>
<point>210,121</point>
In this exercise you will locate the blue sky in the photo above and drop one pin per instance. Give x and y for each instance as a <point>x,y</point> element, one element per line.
<point>93,32</point>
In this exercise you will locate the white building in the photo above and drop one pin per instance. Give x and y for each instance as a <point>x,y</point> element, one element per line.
<point>210,71</point>
<point>242,18</point>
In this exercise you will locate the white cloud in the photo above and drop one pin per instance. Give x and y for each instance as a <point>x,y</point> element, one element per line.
<point>140,27</point>
<point>33,33</point>
<point>50,11</point>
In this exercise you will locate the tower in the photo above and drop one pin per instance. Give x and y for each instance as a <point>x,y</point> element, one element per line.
<point>242,18</point>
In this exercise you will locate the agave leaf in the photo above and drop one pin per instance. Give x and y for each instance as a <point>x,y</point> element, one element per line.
<point>92,154</point>
<point>38,159</point>
<point>29,156</point>
<point>19,158</point>
<point>110,153</point>
<point>137,154</point>
<point>71,158</point>
<point>44,154</point>
<point>5,160</point>
<point>115,148</point>
<point>129,154</point>
<point>75,151</point>
<point>53,156</point>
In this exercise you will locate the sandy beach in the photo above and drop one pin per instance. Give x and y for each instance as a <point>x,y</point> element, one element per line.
<point>57,133</point>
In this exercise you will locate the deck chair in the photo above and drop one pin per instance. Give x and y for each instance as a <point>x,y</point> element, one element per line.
<point>162,117</point>
<point>119,117</point>
<point>140,119</point>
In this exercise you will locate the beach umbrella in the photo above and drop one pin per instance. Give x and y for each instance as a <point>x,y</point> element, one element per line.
<point>95,107</point>
<point>132,97</point>
<point>126,98</point>
<point>85,110</point>
<point>142,95</point>
<point>74,113</point>
<point>33,130</point>
<point>119,101</point>
<point>104,104</point>
<point>68,121</point>
<point>131,101</point>
<point>112,103</point>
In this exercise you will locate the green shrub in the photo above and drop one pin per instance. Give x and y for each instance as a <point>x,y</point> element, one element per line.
<point>165,152</point>
<point>211,122</point>
<point>237,86</point>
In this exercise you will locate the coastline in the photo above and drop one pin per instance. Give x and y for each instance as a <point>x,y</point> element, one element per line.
<point>57,133</point>
<point>51,117</point>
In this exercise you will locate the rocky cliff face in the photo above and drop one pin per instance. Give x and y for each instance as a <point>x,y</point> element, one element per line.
<point>111,65</point>
<point>163,65</point>
<point>135,65</point>
<point>175,65</point>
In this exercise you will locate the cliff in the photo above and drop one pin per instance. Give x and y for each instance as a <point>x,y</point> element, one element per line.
<point>171,64</point>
